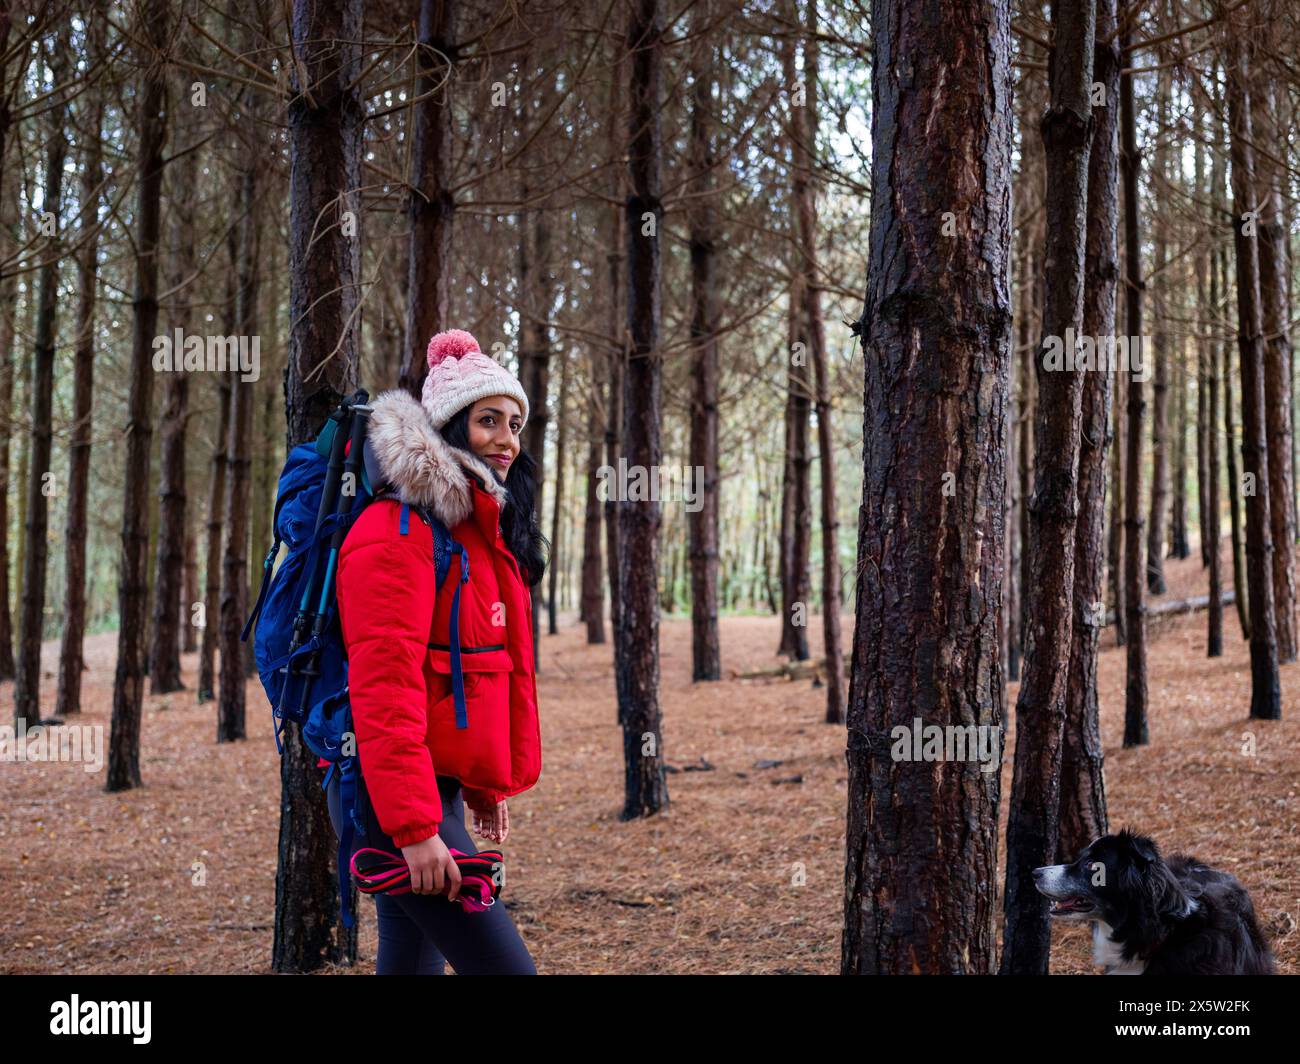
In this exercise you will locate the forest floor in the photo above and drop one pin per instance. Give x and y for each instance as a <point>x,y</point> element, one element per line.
<point>105,883</point>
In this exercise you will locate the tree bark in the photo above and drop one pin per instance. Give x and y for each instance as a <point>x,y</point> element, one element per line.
<point>325,138</point>
<point>636,644</point>
<point>234,551</point>
<point>1025,442</point>
<point>1178,545</point>
<point>593,590</point>
<point>1032,824</point>
<point>189,633</point>
<point>1135,635</point>
<point>936,333</point>
<point>536,287</point>
<point>616,326</point>
<point>1083,792</point>
<point>1275,318</point>
<point>430,208</point>
<point>796,481</point>
<point>1115,537</point>
<point>128,683</point>
<point>557,509</point>
<point>8,312</point>
<point>169,575</point>
<point>1156,525</point>
<point>1205,415</point>
<point>71,659</point>
<point>702,520</point>
<point>1231,449</point>
<point>215,527</point>
<point>40,482</point>
<point>1207,300</point>
<point>1265,685</point>
<point>805,154</point>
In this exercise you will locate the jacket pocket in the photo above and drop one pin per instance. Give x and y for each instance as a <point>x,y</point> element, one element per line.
<point>480,753</point>
<point>491,657</point>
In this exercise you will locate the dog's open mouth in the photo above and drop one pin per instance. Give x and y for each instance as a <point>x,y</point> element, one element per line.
<point>1064,906</point>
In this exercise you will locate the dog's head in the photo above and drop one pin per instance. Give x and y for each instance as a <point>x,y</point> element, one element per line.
<point>1118,879</point>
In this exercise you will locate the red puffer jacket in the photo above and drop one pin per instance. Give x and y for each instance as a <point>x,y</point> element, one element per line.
<point>396,630</point>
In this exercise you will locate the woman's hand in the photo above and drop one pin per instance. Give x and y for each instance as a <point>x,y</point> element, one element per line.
<point>433,869</point>
<point>494,825</point>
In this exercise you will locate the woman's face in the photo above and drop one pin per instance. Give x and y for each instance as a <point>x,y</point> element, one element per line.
<point>494,425</point>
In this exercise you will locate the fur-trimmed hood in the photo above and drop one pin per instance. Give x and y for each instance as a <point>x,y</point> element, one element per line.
<point>414,459</point>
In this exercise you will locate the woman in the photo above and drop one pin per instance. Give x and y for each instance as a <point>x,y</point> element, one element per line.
<point>455,453</point>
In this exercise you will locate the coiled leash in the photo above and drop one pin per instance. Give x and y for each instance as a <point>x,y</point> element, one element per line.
<point>481,875</point>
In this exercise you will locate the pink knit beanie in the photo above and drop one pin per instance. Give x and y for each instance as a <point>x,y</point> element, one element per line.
<point>461,374</point>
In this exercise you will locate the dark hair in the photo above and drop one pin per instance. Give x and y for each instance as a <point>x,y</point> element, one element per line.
<point>519,526</point>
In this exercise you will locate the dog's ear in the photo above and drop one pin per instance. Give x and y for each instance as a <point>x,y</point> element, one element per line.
<point>1145,848</point>
<point>1142,847</point>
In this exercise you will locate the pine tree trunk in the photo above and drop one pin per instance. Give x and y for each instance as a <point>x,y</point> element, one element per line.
<point>1203,407</point>
<point>1265,688</point>
<point>1083,792</point>
<point>796,481</point>
<point>616,327</point>
<point>796,497</point>
<point>1135,635</point>
<point>536,286</point>
<point>234,551</point>
<point>1010,636</point>
<point>1207,298</point>
<point>430,206</point>
<point>557,509</point>
<point>71,659</point>
<point>1161,356</point>
<point>636,643</point>
<point>215,530</point>
<point>1115,536</point>
<point>267,464</point>
<point>1275,315</point>
<point>325,141</point>
<point>593,592</point>
<point>189,633</point>
<point>1231,450</point>
<point>8,311</point>
<point>169,575</point>
<point>1178,545</point>
<point>702,518</point>
<point>31,628</point>
<point>128,683</point>
<point>1025,443</point>
<point>805,155</point>
<point>22,421</point>
<point>922,842</point>
<point>1033,817</point>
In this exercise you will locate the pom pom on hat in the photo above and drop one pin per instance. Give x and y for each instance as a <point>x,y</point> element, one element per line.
<point>451,344</point>
<point>460,373</point>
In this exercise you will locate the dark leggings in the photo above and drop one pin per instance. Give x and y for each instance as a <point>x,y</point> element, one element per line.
<point>419,933</point>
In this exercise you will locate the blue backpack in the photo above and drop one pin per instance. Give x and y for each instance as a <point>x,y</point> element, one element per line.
<point>301,658</point>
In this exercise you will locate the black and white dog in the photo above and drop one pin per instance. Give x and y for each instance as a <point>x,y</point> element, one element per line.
<point>1157,917</point>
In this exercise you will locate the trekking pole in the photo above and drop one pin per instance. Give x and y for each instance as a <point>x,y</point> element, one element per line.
<point>346,501</point>
<point>329,497</point>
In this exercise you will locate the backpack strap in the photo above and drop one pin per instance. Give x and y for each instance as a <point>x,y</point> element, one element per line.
<point>457,677</point>
<point>267,565</point>
<point>347,771</point>
<point>443,548</point>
